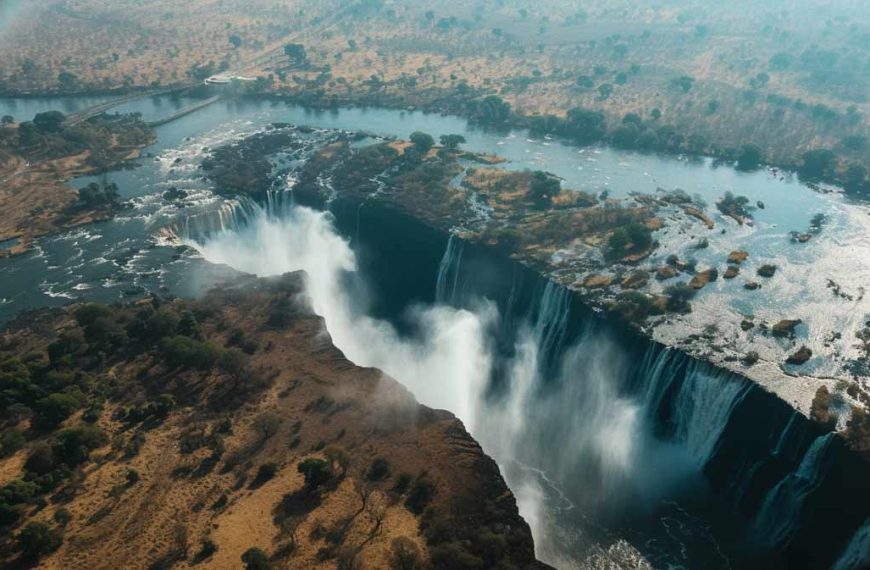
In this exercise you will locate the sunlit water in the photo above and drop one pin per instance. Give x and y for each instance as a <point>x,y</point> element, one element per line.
<point>448,365</point>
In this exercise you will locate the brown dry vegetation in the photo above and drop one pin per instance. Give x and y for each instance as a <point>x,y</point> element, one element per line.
<point>34,169</point>
<point>787,79</point>
<point>199,458</point>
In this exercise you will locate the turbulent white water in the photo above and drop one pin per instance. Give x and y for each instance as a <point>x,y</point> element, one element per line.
<point>581,439</point>
<point>446,368</point>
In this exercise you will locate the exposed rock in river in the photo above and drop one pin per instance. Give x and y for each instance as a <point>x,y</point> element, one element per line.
<point>701,279</point>
<point>801,356</point>
<point>785,328</point>
<point>767,270</point>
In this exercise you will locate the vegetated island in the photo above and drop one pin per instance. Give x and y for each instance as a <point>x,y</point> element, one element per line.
<point>230,430</point>
<point>38,158</point>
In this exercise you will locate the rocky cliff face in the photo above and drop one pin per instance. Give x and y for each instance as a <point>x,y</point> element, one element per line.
<point>183,433</point>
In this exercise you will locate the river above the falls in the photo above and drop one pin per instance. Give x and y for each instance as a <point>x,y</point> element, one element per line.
<point>820,282</point>
<point>125,258</point>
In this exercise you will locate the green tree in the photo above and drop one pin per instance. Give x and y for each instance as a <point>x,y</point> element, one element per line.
<point>684,83</point>
<point>423,142</point>
<point>73,445</point>
<point>492,110</point>
<point>54,409</point>
<point>256,559</point>
<point>236,41</point>
<point>188,326</point>
<point>750,157</point>
<point>451,142</point>
<point>543,188</point>
<point>296,54</point>
<point>678,297</point>
<point>67,80</point>
<point>49,121</point>
<point>817,164</point>
<point>585,126</point>
<point>315,472</point>
<point>37,539</point>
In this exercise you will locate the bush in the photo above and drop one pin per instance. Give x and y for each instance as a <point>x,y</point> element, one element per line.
<point>62,516</point>
<point>17,492</point>
<point>52,410</point>
<point>10,514</point>
<point>422,142</point>
<point>420,496</point>
<point>256,559</point>
<point>679,296</point>
<point>190,353</point>
<point>379,470</point>
<point>207,550</point>
<point>188,326</point>
<point>132,477</point>
<point>73,445</point>
<point>315,471</point>
<point>266,472</point>
<point>37,539</point>
<point>634,237</point>
<point>817,164</point>
<point>750,157</point>
<point>11,441</point>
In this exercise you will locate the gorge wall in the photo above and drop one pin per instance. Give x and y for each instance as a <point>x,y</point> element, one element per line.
<point>797,489</point>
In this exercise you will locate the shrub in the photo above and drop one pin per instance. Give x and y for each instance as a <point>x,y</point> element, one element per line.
<point>266,472</point>
<point>132,477</point>
<point>190,353</point>
<point>73,445</point>
<point>37,539</point>
<point>422,142</point>
<point>10,514</point>
<point>315,471</point>
<point>634,237</point>
<point>420,496</point>
<point>266,424</point>
<point>207,550</point>
<point>62,516</point>
<point>188,326</point>
<point>679,296</point>
<point>256,559</point>
<point>54,409</point>
<point>750,157</point>
<point>378,470</point>
<point>11,441</point>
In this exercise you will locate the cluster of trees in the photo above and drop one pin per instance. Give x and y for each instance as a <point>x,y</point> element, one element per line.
<point>96,195</point>
<point>48,136</point>
<point>634,237</point>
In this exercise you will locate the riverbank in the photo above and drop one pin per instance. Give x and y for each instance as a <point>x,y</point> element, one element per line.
<point>39,161</point>
<point>219,439</point>
<point>628,257</point>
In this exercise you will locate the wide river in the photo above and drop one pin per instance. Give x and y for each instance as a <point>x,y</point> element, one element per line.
<point>124,258</point>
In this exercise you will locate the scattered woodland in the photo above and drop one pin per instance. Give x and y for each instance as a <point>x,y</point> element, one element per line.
<point>765,81</point>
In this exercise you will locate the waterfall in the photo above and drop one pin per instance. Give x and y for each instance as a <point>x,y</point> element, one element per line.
<point>781,510</point>
<point>856,555</point>
<point>611,430</point>
<point>703,406</point>
<point>551,323</point>
<point>447,284</point>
